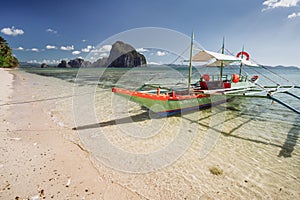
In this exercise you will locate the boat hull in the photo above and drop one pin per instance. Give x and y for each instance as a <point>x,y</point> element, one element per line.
<point>166,104</point>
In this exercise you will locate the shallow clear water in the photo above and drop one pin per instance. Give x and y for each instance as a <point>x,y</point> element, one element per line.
<point>254,141</point>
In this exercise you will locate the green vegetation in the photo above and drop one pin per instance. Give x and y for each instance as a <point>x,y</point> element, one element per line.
<point>6,58</point>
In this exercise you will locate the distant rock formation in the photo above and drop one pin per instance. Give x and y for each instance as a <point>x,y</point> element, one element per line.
<point>101,62</point>
<point>121,55</point>
<point>76,63</point>
<point>44,65</point>
<point>79,62</point>
<point>63,64</point>
<point>124,55</point>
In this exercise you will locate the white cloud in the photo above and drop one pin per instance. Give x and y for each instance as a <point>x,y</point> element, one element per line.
<point>76,52</point>
<point>67,48</point>
<point>104,55</point>
<point>35,49</point>
<point>103,49</point>
<point>32,61</point>
<point>12,31</point>
<point>20,49</point>
<point>153,63</point>
<point>50,30</point>
<point>51,47</point>
<point>50,61</point>
<point>141,50</point>
<point>83,40</point>
<point>270,4</point>
<point>293,15</point>
<point>87,49</point>
<point>161,53</point>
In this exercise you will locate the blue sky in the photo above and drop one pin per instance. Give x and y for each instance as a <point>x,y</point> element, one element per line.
<point>48,31</point>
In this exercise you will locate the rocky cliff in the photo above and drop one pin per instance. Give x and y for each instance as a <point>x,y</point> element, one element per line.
<point>124,55</point>
<point>79,62</point>
<point>121,55</point>
<point>63,64</point>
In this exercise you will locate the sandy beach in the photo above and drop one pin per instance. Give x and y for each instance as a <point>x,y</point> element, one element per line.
<point>40,155</point>
<point>43,156</point>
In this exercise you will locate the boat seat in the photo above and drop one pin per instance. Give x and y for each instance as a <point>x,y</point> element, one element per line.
<point>211,85</point>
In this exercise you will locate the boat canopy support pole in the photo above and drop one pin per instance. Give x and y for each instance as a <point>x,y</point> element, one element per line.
<point>241,65</point>
<point>222,65</point>
<point>190,64</point>
<point>284,104</point>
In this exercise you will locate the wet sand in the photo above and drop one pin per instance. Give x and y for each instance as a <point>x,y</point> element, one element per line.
<point>40,151</point>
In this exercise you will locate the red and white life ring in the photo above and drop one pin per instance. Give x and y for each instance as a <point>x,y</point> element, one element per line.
<point>243,53</point>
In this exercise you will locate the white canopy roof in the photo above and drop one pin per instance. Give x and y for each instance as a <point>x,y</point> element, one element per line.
<point>217,63</point>
<point>205,56</point>
<point>248,63</point>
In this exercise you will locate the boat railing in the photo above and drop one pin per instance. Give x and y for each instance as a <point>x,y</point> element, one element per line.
<point>226,78</point>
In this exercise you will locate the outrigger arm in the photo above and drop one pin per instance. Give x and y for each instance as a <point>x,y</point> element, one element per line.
<point>271,93</point>
<point>284,104</point>
<point>270,96</point>
<point>293,95</point>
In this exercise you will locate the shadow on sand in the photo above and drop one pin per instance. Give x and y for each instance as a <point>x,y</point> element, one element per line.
<point>291,140</point>
<point>233,129</point>
<point>146,116</point>
<point>125,120</point>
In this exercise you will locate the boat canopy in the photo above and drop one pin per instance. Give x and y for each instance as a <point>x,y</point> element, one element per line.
<point>216,59</point>
<point>217,63</point>
<point>206,56</point>
<point>248,63</point>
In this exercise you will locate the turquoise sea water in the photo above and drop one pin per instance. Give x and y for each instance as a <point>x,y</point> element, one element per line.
<point>176,77</point>
<point>259,142</point>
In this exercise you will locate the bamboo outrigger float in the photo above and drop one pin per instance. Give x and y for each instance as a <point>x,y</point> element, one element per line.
<point>209,90</point>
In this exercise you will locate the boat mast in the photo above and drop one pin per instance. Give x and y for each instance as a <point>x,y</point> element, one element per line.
<point>222,65</point>
<point>241,65</point>
<point>190,65</point>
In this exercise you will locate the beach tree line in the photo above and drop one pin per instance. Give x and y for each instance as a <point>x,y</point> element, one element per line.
<point>7,60</point>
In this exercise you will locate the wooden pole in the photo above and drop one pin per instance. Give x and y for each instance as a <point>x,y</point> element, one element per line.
<point>190,64</point>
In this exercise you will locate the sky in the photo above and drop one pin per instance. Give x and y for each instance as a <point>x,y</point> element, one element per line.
<point>49,31</point>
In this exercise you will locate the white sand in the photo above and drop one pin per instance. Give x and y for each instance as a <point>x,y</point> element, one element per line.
<point>36,153</point>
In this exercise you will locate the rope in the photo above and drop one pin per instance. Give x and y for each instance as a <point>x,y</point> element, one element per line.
<point>179,56</point>
<point>278,75</point>
<point>260,72</point>
<point>265,76</point>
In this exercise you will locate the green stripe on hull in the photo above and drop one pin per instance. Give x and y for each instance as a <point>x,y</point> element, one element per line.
<point>169,105</point>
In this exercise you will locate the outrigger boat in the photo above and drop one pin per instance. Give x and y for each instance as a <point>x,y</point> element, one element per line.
<point>208,91</point>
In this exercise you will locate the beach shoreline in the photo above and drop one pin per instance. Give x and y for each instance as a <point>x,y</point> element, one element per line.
<point>41,155</point>
<point>41,151</point>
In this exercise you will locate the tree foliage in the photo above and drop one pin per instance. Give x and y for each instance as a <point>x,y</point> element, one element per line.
<point>6,58</point>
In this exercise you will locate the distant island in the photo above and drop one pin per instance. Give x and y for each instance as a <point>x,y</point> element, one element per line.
<point>121,55</point>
